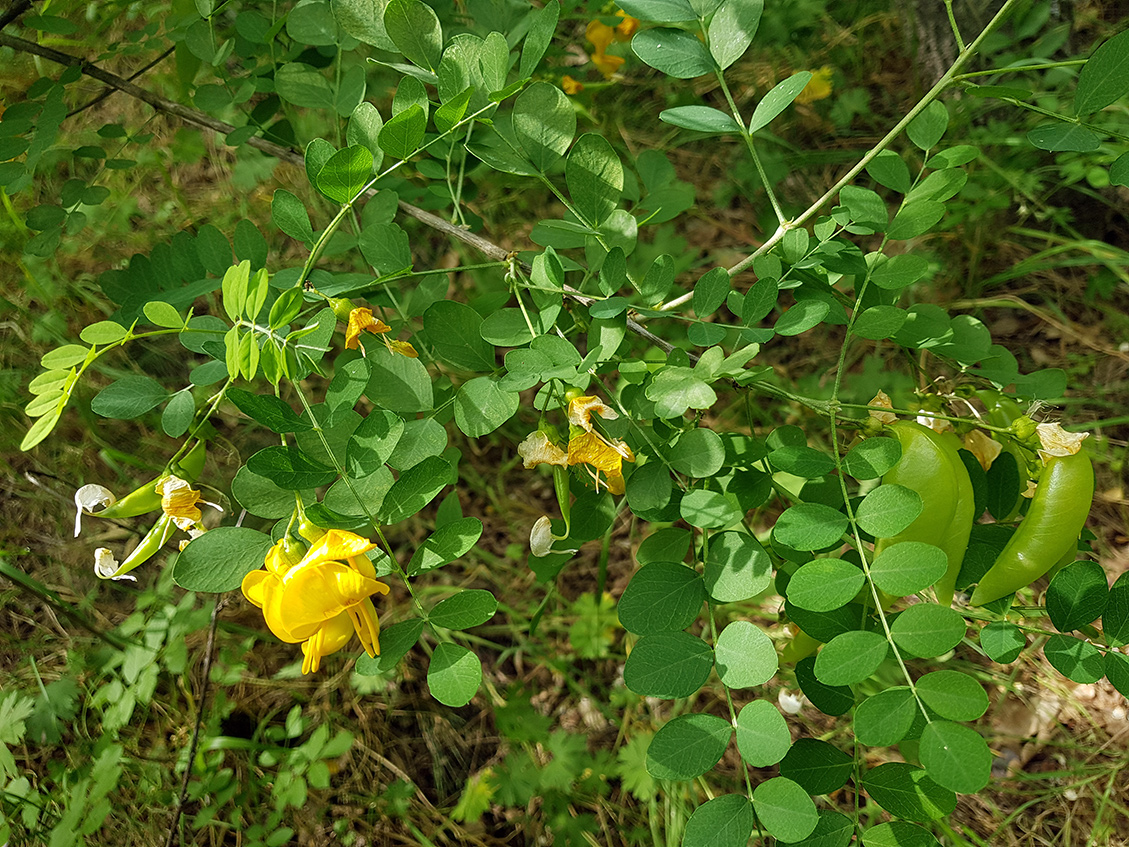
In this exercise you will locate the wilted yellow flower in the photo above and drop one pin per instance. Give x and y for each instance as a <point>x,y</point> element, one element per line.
<point>882,399</point>
<point>571,86</point>
<point>581,409</point>
<point>322,599</point>
<point>818,87</point>
<point>537,449</point>
<point>178,501</point>
<point>586,447</point>
<point>403,348</point>
<point>1056,441</point>
<point>985,449</point>
<point>90,500</point>
<point>541,537</point>
<point>601,455</point>
<point>361,320</point>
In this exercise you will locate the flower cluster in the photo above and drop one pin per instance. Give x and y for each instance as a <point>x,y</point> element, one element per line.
<point>180,509</point>
<point>362,320</point>
<point>319,597</point>
<point>586,447</point>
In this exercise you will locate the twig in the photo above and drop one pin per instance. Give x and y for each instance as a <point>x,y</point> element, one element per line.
<point>111,90</point>
<point>14,11</point>
<point>205,684</point>
<point>286,154</point>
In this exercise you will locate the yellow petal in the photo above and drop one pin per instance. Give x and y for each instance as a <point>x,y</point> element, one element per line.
<point>313,594</point>
<point>607,64</point>
<point>625,28</point>
<point>537,449</point>
<point>276,561</point>
<point>363,565</point>
<point>581,409</point>
<point>337,544</point>
<point>254,585</point>
<point>590,449</point>
<point>330,637</point>
<point>600,34</point>
<point>571,86</point>
<point>367,626</point>
<point>404,349</point>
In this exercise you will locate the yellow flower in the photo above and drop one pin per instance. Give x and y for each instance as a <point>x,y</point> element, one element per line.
<point>361,320</point>
<point>627,27</point>
<point>601,36</point>
<point>322,599</point>
<point>586,447</point>
<point>537,449</point>
<point>571,86</point>
<point>818,87</point>
<point>601,455</point>
<point>178,501</point>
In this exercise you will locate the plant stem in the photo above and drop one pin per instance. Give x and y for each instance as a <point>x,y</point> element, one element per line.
<point>847,178</point>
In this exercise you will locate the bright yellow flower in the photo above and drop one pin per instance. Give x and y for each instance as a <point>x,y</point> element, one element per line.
<point>818,87</point>
<point>361,320</point>
<point>571,86</point>
<point>317,599</point>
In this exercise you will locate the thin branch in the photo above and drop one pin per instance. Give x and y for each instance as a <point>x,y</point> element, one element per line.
<point>286,154</point>
<point>111,90</point>
<point>204,685</point>
<point>847,178</point>
<point>14,11</point>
